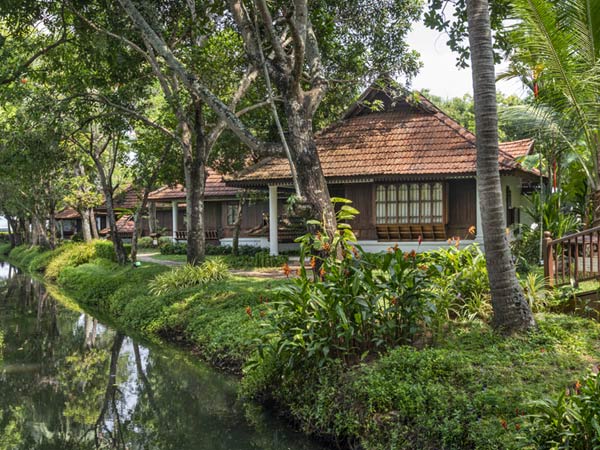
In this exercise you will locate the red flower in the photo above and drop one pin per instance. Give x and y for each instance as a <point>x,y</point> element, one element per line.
<point>287,270</point>
<point>420,240</point>
<point>517,426</point>
<point>504,424</point>
<point>249,311</point>
<point>413,254</point>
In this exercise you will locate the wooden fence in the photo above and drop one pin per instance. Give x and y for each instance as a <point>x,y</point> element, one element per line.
<point>572,259</point>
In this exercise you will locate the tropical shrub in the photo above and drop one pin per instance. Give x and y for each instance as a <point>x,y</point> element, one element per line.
<point>353,305</point>
<point>189,276</point>
<point>4,236</point>
<point>146,242</point>
<point>460,282</point>
<point>571,421</point>
<point>5,249</point>
<point>163,240</point>
<point>73,255</point>
<point>537,295</point>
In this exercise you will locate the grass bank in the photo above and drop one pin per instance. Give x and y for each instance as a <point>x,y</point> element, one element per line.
<point>469,390</point>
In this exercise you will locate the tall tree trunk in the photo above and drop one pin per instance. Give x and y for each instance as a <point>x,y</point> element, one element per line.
<point>138,219</point>
<point>511,311</point>
<point>53,231</point>
<point>93,224</point>
<point>311,181</point>
<point>152,218</point>
<point>39,234</point>
<point>237,225</point>
<point>107,190</point>
<point>85,225</point>
<point>194,166</point>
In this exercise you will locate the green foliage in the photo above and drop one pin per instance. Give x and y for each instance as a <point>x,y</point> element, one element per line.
<point>4,236</point>
<point>461,283</point>
<point>354,305</point>
<point>189,276</point>
<point>163,240</point>
<point>570,421</point>
<point>104,249</point>
<point>24,254</point>
<point>173,248</point>
<point>145,242</point>
<point>537,295</point>
<point>76,254</point>
<point>5,249</point>
<point>459,394</point>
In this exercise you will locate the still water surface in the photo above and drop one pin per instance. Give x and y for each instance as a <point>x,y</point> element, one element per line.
<point>69,382</point>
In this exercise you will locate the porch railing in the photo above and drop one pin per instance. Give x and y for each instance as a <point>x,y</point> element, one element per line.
<point>572,259</point>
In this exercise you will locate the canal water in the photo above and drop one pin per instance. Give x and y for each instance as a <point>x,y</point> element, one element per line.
<point>69,382</point>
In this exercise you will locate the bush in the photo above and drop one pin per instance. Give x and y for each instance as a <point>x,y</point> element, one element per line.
<point>354,306</point>
<point>173,248</point>
<point>570,421</point>
<point>145,242</point>
<point>105,249</point>
<point>164,240</point>
<point>24,254</point>
<point>4,237</point>
<point>189,276</point>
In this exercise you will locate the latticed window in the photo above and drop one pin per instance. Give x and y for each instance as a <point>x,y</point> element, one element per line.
<point>410,203</point>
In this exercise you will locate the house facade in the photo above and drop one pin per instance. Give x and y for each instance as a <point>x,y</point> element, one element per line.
<point>407,167</point>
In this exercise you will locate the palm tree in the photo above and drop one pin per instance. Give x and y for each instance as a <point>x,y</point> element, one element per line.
<point>557,49</point>
<point>511,311</point>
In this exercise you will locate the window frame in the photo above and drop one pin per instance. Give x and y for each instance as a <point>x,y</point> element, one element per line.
<point>407,203</point>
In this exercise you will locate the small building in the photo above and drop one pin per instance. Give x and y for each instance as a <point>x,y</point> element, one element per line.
<point>409,169</point>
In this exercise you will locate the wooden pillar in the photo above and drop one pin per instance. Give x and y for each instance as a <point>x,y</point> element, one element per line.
<point>548,259</point>
<point>174,218</point>
<point>273,235</point>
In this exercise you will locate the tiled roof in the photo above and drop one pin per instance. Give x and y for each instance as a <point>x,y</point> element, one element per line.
<point>67,214</point>
<point>125,225</point>
<point>403,139</point>
<point>215,187</point>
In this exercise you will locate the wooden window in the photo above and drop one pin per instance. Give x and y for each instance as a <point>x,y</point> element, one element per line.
<point>410,203</point>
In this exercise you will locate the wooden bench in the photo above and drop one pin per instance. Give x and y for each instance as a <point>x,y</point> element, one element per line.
<point>210,235</point>
<point>411,232</point>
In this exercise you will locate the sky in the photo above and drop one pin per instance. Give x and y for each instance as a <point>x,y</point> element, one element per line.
<point>439,73</point>
<point>2,223</point>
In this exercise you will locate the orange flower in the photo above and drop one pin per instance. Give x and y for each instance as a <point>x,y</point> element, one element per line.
<point>313,262</point>
<point>23,80</point>
<point>390,250</point>
<point>457,242</point>
<point>406,257</point>
<point>413,254</point>
<point>504,424</point>
<point>517,426</point>
<point>423,267</point>
<point>355,252</point>
<point>577,387</point>
<point>472,229</point>
<point>326,246</point>
<point>449,241</point>
<point>249,311</point>
<point>318,235</point>
<point>322,272</point>
<point>287,270</point>
<point>396,247</point>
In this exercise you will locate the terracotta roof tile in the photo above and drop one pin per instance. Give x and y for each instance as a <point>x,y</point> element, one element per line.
<point>67,214</point>
<point>215,187</point>
<point>406,139</point>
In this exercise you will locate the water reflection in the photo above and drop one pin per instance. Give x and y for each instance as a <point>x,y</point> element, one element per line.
<point>68,382</point>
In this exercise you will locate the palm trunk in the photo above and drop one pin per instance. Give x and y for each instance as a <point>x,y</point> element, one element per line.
<point>511,311</point>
